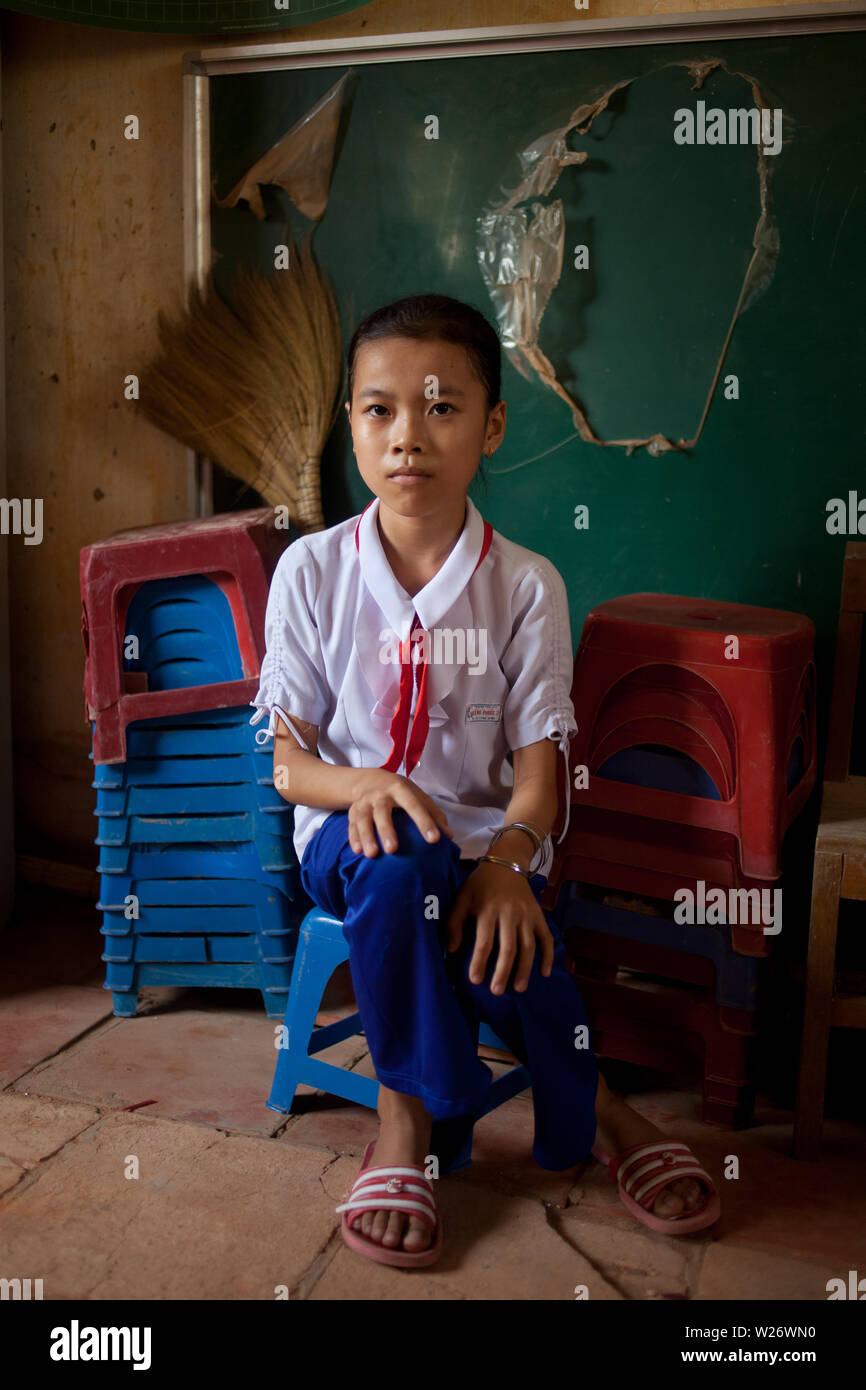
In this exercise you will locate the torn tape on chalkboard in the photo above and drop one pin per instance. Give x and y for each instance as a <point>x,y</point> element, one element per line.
<point>520,251</point>
<point>301,162</point>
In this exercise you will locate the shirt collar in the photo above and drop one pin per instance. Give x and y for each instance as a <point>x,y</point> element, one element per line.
<point>440,594</point>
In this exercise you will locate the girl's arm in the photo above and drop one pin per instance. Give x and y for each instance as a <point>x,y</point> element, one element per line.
<point>502,901</point>
<point>303,779</point>
<point>534,799</point>
<point>369,794</point>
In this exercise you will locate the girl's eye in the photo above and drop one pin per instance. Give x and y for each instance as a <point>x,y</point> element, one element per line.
<point>436,405</point>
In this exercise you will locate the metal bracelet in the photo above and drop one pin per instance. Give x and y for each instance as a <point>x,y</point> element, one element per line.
<point>530,830</point>
<point>527,825</point>
<point>509,864</point>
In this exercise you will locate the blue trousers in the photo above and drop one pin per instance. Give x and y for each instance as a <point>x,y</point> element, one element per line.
<point>418,1006</point>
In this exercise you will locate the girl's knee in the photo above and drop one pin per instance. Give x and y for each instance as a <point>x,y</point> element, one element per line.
<point>416,871</point>
<point>414,861</point>
<point>412,844</point>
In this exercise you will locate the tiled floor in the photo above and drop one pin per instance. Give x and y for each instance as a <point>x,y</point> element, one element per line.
<point>202,1192</point>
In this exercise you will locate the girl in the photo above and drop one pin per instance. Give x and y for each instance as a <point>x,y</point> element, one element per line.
<point>409,650</point>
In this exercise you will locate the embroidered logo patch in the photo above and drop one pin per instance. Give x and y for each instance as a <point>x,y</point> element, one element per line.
<point>492,713</point>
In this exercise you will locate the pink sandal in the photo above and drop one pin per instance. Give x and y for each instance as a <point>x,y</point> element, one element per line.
<point>399,1188</point>
<point>644,1169</point>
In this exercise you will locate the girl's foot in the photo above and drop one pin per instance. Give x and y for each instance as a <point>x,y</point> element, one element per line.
<point>619,1127</point>
<point>403,1138</point>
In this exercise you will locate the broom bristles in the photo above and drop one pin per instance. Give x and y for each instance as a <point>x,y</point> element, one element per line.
<point>255,385</point>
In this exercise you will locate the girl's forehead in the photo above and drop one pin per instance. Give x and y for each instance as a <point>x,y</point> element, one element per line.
<point>398,354</point>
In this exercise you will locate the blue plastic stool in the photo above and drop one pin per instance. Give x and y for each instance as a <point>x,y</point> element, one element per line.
<point>320,949</point>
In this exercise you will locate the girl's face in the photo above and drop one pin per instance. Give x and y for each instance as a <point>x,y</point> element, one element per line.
<point>420,422</point>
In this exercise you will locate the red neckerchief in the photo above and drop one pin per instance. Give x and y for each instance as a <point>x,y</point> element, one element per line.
<point>421,722</point>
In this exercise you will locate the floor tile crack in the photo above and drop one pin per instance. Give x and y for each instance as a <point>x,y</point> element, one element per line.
<point>304,1286</point>
<point>603,1271</point>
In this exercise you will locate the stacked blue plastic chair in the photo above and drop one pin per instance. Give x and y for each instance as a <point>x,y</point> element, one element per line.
<point>199,882</point>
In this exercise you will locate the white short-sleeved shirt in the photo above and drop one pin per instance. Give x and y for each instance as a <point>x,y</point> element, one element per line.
<point>499,665</point>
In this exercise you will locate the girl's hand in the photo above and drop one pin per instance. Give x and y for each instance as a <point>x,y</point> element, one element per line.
<point>499,898</point>
<point>383,793</point>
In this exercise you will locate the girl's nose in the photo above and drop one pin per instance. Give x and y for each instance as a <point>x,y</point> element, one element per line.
<point>407,438</point>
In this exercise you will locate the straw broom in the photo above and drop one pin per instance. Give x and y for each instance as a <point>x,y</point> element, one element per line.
<point>257,386</point>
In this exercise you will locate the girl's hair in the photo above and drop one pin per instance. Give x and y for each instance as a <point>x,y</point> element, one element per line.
<point>435,316</point>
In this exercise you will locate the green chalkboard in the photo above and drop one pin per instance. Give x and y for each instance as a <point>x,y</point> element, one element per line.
<point>636,337</point>
<point>188,16</point>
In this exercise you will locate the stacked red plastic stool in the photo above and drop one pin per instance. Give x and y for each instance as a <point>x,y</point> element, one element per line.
<point>191,832</point>
<point>238,551</point>
<point>696,726</point>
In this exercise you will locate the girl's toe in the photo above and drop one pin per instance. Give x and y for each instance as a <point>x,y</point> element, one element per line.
<point>418,1235</point>
<point>691,1192</point>
<point>689,1195</point>
<point>394,1230</point>
<point>668,1203</point>
<point>696,1196</point>
<point>380,1225</point>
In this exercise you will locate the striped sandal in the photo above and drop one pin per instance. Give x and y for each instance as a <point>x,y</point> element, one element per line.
<point>399,1188</point>
<point>644,1169</point>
